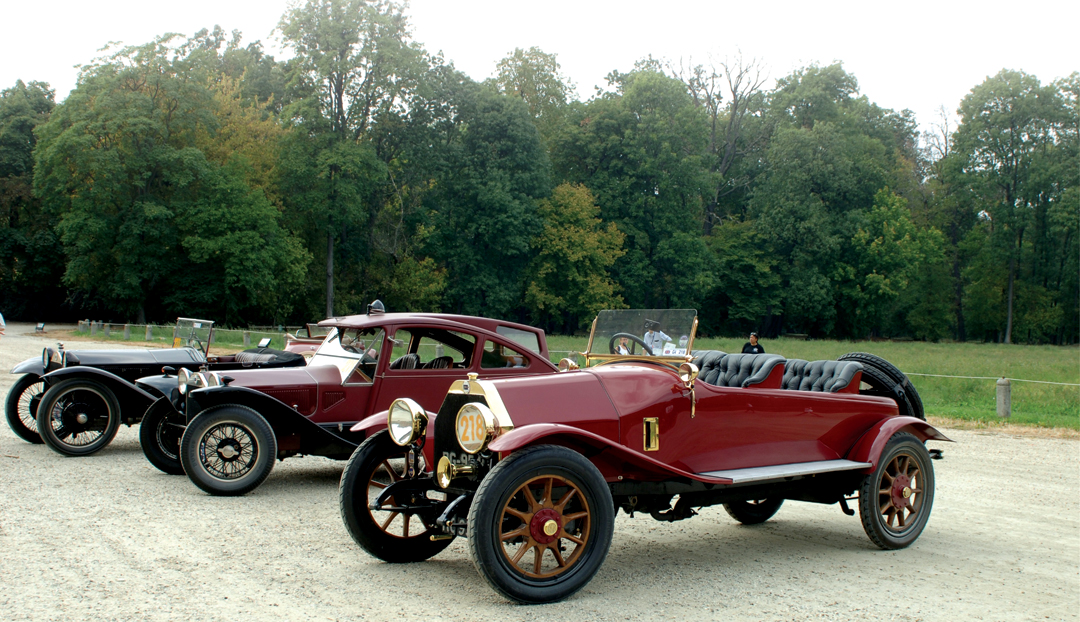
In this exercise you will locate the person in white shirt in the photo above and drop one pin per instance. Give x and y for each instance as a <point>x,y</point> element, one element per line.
<point>654,338</point>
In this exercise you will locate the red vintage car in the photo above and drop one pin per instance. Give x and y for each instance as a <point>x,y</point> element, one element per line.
<point>226,430</point>
<point>533,470</point>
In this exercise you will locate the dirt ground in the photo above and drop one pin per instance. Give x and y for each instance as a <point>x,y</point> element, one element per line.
<point>110,537</point>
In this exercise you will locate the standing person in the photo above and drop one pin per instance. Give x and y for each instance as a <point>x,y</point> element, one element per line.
<point>753,347</point>
<point>623,347</point>
<point>3,326</point>
<point>654,338</point>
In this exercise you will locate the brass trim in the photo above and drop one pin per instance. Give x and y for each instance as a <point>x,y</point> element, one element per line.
<point>693,333</point>
<point>592,333</point>
<point>491,394</point>
<point>446,471</point>
<point>651,432</point>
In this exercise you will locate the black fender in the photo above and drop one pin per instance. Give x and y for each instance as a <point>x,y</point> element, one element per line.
<point>29,366</point>
<point>295,433</point>
<point>133,400</point>
<point>160,385</point>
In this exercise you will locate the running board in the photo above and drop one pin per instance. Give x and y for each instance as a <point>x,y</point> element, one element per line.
<point>781,471</point>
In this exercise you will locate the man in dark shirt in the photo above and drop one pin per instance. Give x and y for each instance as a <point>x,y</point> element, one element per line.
<point>753,347</point>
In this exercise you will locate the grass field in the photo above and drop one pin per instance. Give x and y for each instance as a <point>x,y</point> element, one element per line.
<point>225,341</point>
<point>1034,404</point>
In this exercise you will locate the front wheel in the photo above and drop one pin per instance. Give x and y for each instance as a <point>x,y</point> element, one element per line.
<point>228,451</point>
<point>78,417</point>
<point>540,524</point>
<point>391,536</point>
<point>21,407</point>
<point>753,512</point>
<point>895,500</point>
<point>160,433</point>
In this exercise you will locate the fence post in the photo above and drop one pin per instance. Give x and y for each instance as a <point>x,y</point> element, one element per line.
<point>1004,398</point>
<point>127,332</point>
<point>93,329</point>
<point>107,327</point>
<point>247,339</point>
<point>149,332</point>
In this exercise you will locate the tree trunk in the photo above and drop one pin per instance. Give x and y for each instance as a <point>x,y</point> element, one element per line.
<point>140,315</point>
<point>961,331</point>
<point>329,274</point>
<point>1009,316</point>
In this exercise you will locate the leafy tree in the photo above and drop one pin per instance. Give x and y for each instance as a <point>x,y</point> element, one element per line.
<point>568,282</point>
<point>534,76</point>
<point>29,250</point>
<point>748,280</point>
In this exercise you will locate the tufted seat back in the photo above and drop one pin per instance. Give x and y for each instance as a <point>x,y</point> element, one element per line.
<point>409,361</point>
<point>442,362</point>
<point>735,370</point>
<point>825,376</point>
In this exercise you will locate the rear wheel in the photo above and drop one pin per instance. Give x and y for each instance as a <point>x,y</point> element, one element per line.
<point>21,407</point>
<point>895,500</point>
<point>540,524</point>
<point>159,434</point>
<point>886,380</point>
<point>228,451</point>
<point>78,417</point>
<point>391,536</point>
<point>753,512</point>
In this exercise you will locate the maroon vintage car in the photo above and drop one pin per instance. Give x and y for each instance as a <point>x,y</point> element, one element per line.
<point>532,470</point>
<point>225,431</point>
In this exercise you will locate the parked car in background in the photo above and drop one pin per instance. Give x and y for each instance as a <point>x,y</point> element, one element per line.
<point>533,470</point>
<point>75,400</point>
<point>305,340</point>
<point>226,430</point>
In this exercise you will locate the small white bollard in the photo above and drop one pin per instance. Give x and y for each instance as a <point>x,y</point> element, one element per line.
<point>127,332</point>
<point>149,332</point>
<point>1004,398</point>
<point>107,327</point>
<point>247,339</point>
<point>93,329</point>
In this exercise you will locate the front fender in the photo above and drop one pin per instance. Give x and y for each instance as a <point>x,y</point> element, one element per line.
<point>161,386</point>
<point>614,460</point>
<point>869,447</point>
<point>29,366</point>
<point>133,400</point>
<point>295,433</point>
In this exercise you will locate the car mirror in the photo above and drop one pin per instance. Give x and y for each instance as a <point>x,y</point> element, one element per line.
<point>568,365</point>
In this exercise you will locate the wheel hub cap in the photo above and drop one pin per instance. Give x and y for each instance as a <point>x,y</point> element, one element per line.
<point>901,491</point>
<point>81,418</point>
<point>228,451</point>
<point>545,525</point>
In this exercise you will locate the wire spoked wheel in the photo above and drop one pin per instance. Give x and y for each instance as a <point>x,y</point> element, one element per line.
<point>895,500</point>
<point>228,451</point>
<point>21,407</point>
<point>159,434</point>
<point>540,524</point>
<point>545,527</point>
<point>391,535</point>
<point>78,417</point>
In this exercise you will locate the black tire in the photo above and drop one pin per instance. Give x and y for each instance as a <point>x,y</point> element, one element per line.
<point>888,386</point>
<point>753,512</point>
<point>160,433</point>
<point>21,407</point>
<point>78,417</point>
<point>506,503</point>
<point>228,451</point>
<point>895,500</point>
<point>375,464</point>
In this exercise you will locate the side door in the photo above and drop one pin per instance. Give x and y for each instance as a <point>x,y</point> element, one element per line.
<point>423,362</point>
<point>356,354</point>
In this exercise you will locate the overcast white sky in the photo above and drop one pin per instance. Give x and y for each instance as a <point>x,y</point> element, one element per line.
<point>918,54</point>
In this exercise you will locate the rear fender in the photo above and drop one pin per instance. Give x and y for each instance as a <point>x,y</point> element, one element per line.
<point>133,400</point>
<point>29,366</point>
<point>295,432</point>
<point>613,460</point>
<point>869,447</point>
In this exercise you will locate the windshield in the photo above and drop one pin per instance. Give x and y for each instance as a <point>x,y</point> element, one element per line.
<point>354,351</point>
<point>192,333</point>
<point>643,332</point>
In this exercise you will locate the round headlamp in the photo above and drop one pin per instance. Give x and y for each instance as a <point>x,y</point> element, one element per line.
<point>46,358</point>
<point>182,378</point>
<point>406,421</point>
<point>475,427</point>
<point>213,379</point>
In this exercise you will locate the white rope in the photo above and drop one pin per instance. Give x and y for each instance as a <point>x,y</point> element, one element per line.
<point>1067,384</point>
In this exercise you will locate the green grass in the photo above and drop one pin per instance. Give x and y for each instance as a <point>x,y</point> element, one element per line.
<point>1033,404</point>
<point>225,341</point>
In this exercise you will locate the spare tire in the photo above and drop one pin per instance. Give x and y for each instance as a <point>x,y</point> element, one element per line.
<point>888,381</point>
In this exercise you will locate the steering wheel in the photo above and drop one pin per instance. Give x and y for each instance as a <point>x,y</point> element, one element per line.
<point>634,338</point>
<point>193,342</point>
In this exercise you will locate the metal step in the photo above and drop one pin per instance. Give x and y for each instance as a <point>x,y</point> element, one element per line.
<point>781,471</point>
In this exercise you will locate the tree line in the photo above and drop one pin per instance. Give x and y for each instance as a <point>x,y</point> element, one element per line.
<point>197,176</point>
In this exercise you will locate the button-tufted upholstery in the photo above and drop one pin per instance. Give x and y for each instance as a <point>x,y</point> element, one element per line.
<point>826,376</point>
<point>735,370</point>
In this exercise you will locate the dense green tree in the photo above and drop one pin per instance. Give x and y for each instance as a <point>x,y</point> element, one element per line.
<point>567,280</point>
<point>535,77</point>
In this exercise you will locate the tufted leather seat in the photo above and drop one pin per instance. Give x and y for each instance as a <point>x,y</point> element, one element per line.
<point>442,362</point>
<point>409,361</point>
<point>825,376</point>
<point>735,370</point>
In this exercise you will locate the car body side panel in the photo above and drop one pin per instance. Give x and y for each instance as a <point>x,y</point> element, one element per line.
<point>572,398</point>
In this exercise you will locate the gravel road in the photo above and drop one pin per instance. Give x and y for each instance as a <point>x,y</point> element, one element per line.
<point>108,537</point>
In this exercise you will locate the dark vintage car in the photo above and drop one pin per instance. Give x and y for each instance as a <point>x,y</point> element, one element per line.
<point>533,470</point>
<point>75,400</point>
<point>225,430</point>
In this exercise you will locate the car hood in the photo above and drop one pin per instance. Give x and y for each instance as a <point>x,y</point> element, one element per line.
<point>263,379</point>
<point>104,358</point>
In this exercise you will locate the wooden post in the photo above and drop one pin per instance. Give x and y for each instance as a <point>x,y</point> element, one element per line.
<point>149,332</point>
<point>107,327</point>
<point>1004,398</point>
<point>127,332</point>
<point>247,339</point>
<point>93,329</point>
